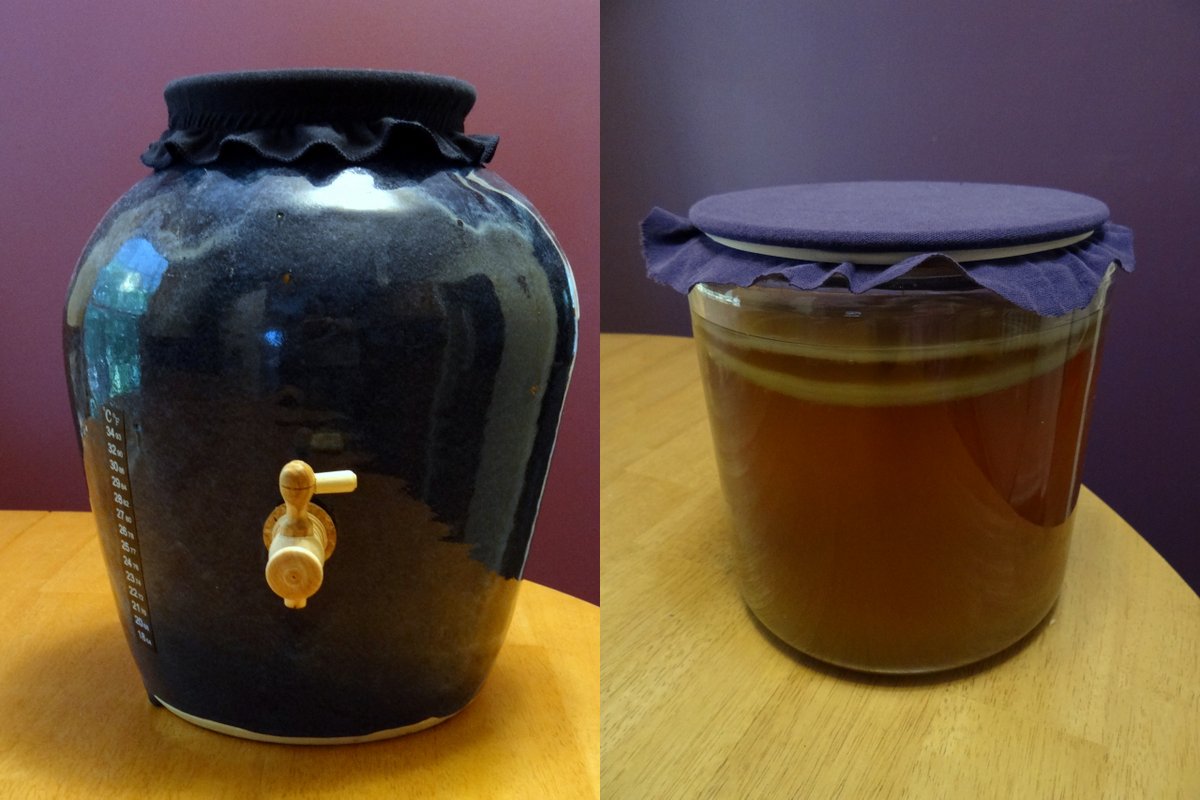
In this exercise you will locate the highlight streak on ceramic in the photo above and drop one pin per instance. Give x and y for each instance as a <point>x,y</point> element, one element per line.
<point>475,179</point>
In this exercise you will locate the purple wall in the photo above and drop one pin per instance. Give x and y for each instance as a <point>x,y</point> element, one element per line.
<point>81,96</point>
<point>705,96</point>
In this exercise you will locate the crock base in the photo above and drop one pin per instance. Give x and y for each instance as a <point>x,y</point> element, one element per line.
<point>242,733</point>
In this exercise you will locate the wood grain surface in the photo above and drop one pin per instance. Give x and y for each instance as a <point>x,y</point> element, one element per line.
<point>1102,700</point>
<point>75,721</point>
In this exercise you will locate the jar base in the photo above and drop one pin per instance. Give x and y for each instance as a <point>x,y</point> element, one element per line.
<point>243,733</point>
<point>971,663</point>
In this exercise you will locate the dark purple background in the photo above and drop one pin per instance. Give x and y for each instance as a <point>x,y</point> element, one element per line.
<point>81,97</point>
<point>707,96</point>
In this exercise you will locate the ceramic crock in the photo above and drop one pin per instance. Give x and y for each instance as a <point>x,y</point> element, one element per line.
<point>317,360</point>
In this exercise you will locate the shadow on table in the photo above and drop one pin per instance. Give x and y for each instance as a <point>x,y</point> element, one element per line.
<point>87,729</point>
<point>905,680</point>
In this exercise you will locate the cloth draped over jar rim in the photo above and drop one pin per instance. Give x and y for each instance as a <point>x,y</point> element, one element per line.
<point>1044,250</point>
<point>283,115</point>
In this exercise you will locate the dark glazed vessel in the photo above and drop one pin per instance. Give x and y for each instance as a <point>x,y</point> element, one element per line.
<point>321,269</point>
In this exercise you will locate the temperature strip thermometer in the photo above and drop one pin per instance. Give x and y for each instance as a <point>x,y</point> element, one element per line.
<point>124,524</point>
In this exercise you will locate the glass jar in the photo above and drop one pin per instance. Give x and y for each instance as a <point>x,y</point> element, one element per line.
<point>901,465</point>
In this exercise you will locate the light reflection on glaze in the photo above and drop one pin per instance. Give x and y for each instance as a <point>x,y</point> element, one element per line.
<point>355,190</point>
<point>119,298</point>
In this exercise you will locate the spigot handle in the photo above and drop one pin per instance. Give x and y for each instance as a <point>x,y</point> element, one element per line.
<point>336,482</point>
<point>298,483</point>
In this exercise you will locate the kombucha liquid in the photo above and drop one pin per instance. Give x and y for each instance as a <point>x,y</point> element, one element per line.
<point>900,508</point>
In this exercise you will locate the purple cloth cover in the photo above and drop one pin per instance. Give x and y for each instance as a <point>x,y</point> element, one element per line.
<point>921,217</point>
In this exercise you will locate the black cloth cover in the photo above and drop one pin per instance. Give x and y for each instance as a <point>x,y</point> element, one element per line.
<point>282,115</point>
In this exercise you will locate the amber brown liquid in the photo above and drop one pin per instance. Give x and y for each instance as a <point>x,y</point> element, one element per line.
<point>901,514</point>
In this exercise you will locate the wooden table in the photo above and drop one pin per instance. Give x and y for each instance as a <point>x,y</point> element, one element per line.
<point>75,722</point>
<point>1102,701</point>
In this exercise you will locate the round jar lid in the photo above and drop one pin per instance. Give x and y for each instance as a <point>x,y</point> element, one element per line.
<point>918,216</point>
